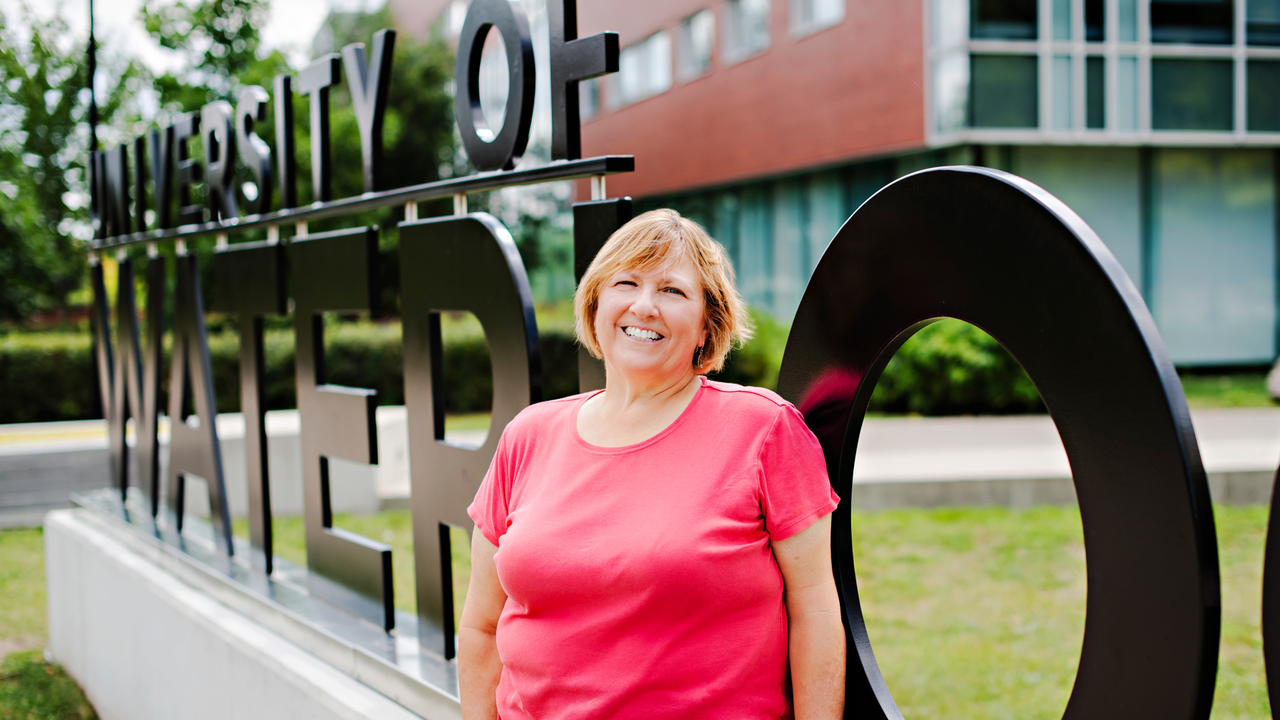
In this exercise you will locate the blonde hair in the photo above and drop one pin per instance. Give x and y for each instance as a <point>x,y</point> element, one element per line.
<point>649,240</point>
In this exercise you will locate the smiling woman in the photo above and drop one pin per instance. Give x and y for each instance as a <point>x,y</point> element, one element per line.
<point>689,506</point>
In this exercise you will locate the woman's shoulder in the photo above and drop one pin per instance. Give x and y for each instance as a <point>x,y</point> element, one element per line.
<point>746,400</point>
<point>542,416</point>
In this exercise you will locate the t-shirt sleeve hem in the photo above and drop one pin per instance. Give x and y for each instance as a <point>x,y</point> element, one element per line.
<point>474,513</point>
<point>795,526</point>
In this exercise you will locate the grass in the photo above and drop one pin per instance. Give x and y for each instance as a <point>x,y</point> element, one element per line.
<point>979,613</point>
<point>30,688</point>
<point>393,527</point>
<point>22,599</point>
<point>1227,391</point>
<point>973,612</point>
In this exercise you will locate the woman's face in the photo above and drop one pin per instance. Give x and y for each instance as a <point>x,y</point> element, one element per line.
<point>649,323</point>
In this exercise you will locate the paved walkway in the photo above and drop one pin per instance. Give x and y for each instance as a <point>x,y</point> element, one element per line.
<point>1014,461</point>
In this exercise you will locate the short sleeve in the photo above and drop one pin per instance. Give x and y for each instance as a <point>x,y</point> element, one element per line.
<point>492,503</point>
<point>793,477</point>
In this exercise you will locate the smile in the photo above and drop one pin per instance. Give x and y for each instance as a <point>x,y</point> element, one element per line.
<point>639,334</point>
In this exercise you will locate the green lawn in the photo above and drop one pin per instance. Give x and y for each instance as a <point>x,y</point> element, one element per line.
<point>30,688</point>
<point>393,527</point>
<point>973,612</point>
<point>1227,391</point>
<point>979,613</point>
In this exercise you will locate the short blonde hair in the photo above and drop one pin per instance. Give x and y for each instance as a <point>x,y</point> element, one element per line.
<point>650,240</point>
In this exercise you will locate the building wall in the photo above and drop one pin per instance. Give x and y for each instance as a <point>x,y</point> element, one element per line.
<point>849,91</point>
<point>1195,229</point>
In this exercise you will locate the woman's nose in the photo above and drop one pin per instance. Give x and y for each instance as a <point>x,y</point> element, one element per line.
<point>644,305</point>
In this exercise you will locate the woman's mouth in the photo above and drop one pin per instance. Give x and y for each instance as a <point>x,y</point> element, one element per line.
<point>641,334</point>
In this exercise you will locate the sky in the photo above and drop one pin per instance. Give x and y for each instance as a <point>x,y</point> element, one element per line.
<point>292,25</point>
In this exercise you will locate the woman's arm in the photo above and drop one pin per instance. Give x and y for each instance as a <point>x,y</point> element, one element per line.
<point>479,666</point>
<point>817,648</point>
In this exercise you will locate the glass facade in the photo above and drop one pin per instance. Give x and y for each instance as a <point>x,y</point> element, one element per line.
<point>1262,22</point>
<point>1264,95</point>
<point>1003,91</point>
<point>1095,89</point>
<point>1194,229</point>
<point>1208,22</point>
<point>1214,298</point>
<point>1116,70</point>
<point>1003,20</point>
<point>1191,94</point>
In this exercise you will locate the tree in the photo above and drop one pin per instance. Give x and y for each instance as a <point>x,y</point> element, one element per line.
<point>218,44</point>
<point>44,145</point>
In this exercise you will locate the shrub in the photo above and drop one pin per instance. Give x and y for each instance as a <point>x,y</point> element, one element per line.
<point>947,368</point>
<point>46,377</point>
<point>954,368</point>
<point>52,376</point>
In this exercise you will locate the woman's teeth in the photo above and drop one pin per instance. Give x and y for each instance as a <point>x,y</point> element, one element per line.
<point>639,334</point>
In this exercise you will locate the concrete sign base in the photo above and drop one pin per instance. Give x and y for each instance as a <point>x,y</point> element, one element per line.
<point>146,641</point>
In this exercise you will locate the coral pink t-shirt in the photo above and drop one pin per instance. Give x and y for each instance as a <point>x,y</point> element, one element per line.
<point>640,580</point>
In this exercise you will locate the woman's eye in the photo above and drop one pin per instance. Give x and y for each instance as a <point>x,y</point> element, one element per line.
<point>625,282</point>
<point>676,291</point>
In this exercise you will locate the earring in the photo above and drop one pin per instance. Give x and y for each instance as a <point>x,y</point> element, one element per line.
<point>697,357</point>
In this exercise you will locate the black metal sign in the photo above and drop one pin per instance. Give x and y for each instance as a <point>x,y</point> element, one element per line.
<point>977,245</point>
<point>996,251</point>
<point>462,263</point>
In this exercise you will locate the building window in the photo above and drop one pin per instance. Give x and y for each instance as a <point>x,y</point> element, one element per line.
<point>1207,22</point>
<point>810,16</point>
<point>1095,20</point>
<point>1061,19</point>
<point>1003,20</point>
<point>1128,17</point>
<point>1062,93</point>
<point>694,42</point>
<point>588,98</point>
<point>1190,94</point>
<point>746,28</point>
<point>644,69</point>
<point>1095,93</point>
<point>1167,66</point>
<point>1264,101</point>
<point>1127,94</point>
<point>1003,91</point>
<point>1262,22</point>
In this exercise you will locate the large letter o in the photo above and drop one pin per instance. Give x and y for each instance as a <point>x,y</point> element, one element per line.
<point>997,251</point>
<point>508,144</point>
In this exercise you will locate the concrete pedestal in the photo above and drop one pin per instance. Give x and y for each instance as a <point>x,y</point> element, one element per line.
<point>146,643</point>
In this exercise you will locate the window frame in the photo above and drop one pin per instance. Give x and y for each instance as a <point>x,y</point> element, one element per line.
<point>947,38</point>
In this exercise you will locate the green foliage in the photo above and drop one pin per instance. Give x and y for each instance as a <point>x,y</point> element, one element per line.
<point>948,368</point>
<point>216,43</point>
<point>47,377</point>
<point>51,376</point>
<point>43,148</point>
<point>954,368</point>
<point>757,362</point>
<point>32,689</point>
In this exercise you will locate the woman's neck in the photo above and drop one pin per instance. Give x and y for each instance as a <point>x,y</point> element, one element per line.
<point>628,413</point>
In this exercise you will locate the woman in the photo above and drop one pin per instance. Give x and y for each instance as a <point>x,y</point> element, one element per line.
<point>633,545</point>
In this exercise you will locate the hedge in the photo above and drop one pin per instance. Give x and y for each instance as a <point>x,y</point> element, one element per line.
<point>948,368</point>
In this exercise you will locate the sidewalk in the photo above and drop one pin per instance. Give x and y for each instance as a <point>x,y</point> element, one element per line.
<point>1013,461</point>
<point>1018,461</point>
